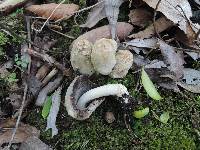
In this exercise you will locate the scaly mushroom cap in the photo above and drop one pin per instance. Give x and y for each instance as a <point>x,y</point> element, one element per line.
<point>124,62</point>
<point>77,88</point>
<point>80,56</point>
<point>103,55</point>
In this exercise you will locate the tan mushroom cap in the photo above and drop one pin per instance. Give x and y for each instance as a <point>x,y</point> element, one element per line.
<point>124,62</point>
<point>103,55</point>
<point>80,57</point>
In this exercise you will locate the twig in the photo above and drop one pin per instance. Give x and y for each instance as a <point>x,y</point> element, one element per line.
<point>79,11</point>
<point>68,36</point>
<point>50,60</point>
<point>49,17</point>
<point>19,117</point>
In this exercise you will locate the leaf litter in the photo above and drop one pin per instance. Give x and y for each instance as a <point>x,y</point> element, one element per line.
<point>140,37</point>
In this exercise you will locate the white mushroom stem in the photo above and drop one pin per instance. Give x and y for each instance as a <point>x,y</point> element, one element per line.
<point>110,89</point>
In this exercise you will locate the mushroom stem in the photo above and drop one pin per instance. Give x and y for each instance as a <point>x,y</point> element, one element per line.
<point>110,89</point>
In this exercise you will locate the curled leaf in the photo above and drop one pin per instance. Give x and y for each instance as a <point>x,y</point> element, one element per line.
<point>141,113</point>
<point>46,107</point>
<point>149,87</point>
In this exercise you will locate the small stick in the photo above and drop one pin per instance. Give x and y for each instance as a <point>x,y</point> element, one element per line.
<point>79,11</point>
<point>68,36</point>
<point>18,119</point>
<point>49,17</point>
<point>50,60</point>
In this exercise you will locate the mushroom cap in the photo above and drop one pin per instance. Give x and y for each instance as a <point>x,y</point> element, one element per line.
<point>103,55</point>
<point>77,88</point>
<point>80,57</point>
<point>124,62</point>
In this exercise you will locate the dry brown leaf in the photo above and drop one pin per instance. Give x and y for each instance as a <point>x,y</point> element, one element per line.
<point>123,30</point>
<point>161,25</point>
<point>45,10</point>
<point>179,12</point>
<point>173,59</point>
<point>140,17</point>
<point>23,132</point>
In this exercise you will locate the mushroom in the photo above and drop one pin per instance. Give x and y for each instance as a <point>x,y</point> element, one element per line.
<point>124,62</point>
<point>80,56</point>
<point>81,99</point>
<point>79,85</point>
<point>103,55</point>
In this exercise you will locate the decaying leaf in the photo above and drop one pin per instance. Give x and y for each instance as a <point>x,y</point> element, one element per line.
<point>109,9</point>
<point>143,43</point>
<point>173,59</point>
<point>9,3</point>
<point>51,119</point>
<point>123,30</point>
<point>96,14</point>
<point>177,11</point>
<point>23,132</point>
<point>141,113</point>
<point>140,17</point>
<point>45,10</point>
<point>50,87</point>
<point>149,87</point>
<point>190,80</point>
<point>161,25</point>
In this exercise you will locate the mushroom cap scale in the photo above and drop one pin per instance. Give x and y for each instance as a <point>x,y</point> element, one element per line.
<point>80,56</point>
<point>124,62</point>
<point>103,55</point>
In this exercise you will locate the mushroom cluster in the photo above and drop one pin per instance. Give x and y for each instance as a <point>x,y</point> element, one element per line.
<point>102,57</point>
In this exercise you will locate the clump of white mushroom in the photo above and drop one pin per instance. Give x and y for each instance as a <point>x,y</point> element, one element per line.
<point>102,57</point>
<point>82,98</point>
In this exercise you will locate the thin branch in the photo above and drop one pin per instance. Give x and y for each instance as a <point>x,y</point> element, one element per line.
<point>79,11</point>
<point>49,17</point>
<point>19,117</point>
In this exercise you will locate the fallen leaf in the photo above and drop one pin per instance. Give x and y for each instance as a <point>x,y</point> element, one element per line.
<point>143,43</point>
<point>141,113</point>
<point>50,87</point>
<point>9,3</point>
<point>140,17</point>
<point>123,30</point>
<point>109,9</point>
<point>149,87</point>
<point>191,76</point>
<point>62,11</point>
<point>23,132</point>
<point>96,14</point>
<point>177,11</point>
<point>51,119</point>
<point>173,59</point>
<point>190,80</point>
<point>161,25</point>
<point>164,117</point>
<point>46,107</point>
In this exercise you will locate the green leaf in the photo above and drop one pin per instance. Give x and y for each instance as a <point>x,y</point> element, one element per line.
<point>46,108</point>
<point>164,117</point>
<point>149,87</point>
<point>141,113</point>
